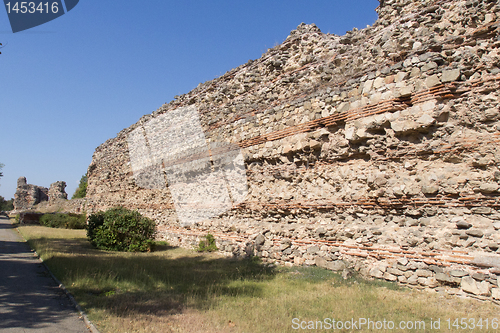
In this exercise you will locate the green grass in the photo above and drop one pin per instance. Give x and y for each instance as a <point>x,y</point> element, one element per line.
<point>179,290</point>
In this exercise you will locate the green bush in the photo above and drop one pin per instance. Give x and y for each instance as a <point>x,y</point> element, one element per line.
<point>67,221</point>
<point>6,205</point>
<point>121,229</point>
<point>207,244</point>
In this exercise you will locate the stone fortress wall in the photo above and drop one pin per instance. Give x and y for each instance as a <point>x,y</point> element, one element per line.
<point>376,151</point>
<point>32,201</point>
<point>29,196</point>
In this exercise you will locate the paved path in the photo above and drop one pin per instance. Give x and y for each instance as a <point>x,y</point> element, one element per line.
<point>30,300</point>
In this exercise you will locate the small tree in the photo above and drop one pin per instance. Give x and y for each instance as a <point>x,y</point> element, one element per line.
<point>81,191</point>
<point>6,205</point>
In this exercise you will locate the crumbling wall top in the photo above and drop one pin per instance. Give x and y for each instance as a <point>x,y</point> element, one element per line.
<point>28,195</point>
<point>56,191</point>
<point>21,181</point>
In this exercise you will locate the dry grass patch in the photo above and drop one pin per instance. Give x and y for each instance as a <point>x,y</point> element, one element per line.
<point>178,290</point>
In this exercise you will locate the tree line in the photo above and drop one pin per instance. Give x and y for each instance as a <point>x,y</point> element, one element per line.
<point>5,204</point>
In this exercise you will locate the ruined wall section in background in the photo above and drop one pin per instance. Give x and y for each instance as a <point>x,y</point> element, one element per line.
<point>30,198</point>
<point>57,191</point>
<point>28,195</point>
<point>375,151</point>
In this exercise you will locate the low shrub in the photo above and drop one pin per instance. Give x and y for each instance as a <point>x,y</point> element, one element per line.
<point>121,229</point>
<point>67,221</point>
<point>207,244</point>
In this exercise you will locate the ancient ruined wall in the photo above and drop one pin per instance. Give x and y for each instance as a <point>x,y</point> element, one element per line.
<point>57,191</point>
<point>28,195</point>
<point>33,197</point>
<point>375,151</point>
<point>76,206</point>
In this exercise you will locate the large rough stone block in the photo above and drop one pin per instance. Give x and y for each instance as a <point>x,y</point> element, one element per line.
<point>337,265</point>
<point>376,273</point>
<point>486,260</point>
<point>446,279</point>
<point>450,75</point>
<point>469,285</point>
<point>484,288</point>
<point>321,262</point>
<point>495,293</point>
<point>432,81</point>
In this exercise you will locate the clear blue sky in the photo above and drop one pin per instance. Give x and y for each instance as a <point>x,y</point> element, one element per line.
<point>70,84</point>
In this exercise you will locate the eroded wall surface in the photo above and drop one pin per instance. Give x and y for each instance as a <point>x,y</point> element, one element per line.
<point>28,195</point>
<point>29,198</point>
<point>376,151</point>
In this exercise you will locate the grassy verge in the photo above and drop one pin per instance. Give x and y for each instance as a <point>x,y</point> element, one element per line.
<point>178,290</point>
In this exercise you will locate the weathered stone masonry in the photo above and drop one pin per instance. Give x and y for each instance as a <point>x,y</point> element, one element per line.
<point>376,151</point>
<point>28,195</point>
<point>32,200</point>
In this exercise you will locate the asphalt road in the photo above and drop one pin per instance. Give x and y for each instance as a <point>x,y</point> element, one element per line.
<point>30,300</point>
